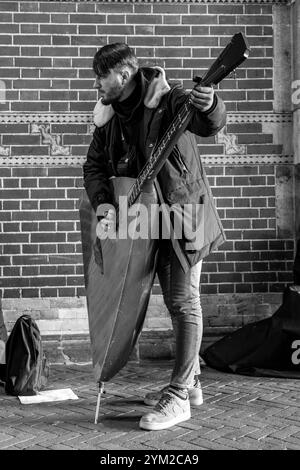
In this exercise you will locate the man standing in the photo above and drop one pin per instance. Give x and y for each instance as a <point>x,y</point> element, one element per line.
<point>136,107</point>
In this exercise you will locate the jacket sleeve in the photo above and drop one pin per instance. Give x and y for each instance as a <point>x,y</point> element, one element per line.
<point>95,172</point>
<point>204,124</point>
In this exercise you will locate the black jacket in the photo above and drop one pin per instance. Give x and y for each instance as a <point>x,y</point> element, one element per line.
<point>182,178</point>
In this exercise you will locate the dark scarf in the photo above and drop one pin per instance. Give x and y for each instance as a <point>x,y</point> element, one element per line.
<point>130,111</point>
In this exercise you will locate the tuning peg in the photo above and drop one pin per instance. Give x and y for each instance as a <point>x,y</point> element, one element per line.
<point>233,74</point>
<point>197,79</point>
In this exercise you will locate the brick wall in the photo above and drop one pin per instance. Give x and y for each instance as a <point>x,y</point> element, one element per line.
<point>46,101</point>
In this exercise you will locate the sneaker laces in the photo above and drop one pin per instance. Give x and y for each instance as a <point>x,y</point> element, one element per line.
<point>164,403</point>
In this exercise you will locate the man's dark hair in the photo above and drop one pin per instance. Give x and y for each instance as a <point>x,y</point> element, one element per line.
<point>112,56</point>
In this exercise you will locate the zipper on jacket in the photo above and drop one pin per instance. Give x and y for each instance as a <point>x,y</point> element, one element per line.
<point>180,159</point>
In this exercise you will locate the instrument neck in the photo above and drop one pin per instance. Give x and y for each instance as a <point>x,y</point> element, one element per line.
<point>160,153</point>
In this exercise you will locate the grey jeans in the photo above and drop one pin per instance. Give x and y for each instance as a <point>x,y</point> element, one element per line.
<point>181,295</point>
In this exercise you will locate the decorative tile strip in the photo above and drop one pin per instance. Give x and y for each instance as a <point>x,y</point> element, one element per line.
<point>234,153</point>
<point>230,143</point>
<point>284,2</point>
<point>85,118</point>
<point>52,140</point>
<point>42,160</point>
<point>272,159</point>
<point>11,118</point>
<point>77,161</point>
<point>4,151</point>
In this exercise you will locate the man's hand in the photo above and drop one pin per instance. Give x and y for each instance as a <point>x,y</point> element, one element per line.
<point>202,97</point>
<point>107,224</point>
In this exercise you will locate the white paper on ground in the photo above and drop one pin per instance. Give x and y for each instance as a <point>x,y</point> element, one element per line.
<point>49,395</point>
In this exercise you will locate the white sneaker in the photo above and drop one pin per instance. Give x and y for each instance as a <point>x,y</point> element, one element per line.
<point>195,395</point>
<point>170,410</point>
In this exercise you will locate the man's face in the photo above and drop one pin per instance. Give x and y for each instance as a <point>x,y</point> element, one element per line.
<point>111,87</point>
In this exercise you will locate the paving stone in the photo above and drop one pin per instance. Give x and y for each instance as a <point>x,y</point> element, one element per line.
<point>239,412</point>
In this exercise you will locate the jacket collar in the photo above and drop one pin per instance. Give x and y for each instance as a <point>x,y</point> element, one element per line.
<point>156,87</point>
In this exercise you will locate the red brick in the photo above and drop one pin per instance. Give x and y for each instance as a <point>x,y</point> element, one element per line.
<point>29,215</point>
<point>14,194</point>
<point>89,29</point>
<point>264,234</point>
<point>254,106</point>
<point>5,215</point>
<point>10,183</point>
<point>29,28</point>
<point>227,19</point>
<point>59,51</point>
<point>75,281</point>
<point>70,171</point>
<point>35,40</point>
<point>21,140</point>
<point>6,18</point>
<point>226,192</point>
<point>243,223</point>
<point>63,215</point>
<point>29,227</point>
<point>27,150</point>
<point>68,204</point>
<point>27,106</point>
<point>242,255</point>
<point>6,39</point>
<point>224,202</point>
<point>68,7</point>
<point>108,7</point>
<point>227,224</point>
<point>171,19</point>
<point>199,19</point>
<point>258,202</point>
<point>5,260</point>
<point>172,30</point>
<point>29,95</point>
<point>82,18</point>
<point>255,19</point>
<point>243,288</point>
<point>86,7</point>
<point>8,6</point>
<point>30,270</point>
<point>31,18</point>
<point>209,289</point>
<point>58,29</point>
<point>9,51</point>
<point>227,277</point>
<point>14,282</point>
<point>263,223</point>
<point>49,292</point>
<point>29,205</point>
<point>29,6</point>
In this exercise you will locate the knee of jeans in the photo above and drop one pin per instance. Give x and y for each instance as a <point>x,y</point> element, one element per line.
<point>185,306</point>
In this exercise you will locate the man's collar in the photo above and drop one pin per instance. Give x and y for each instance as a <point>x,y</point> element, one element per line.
<point>156,88</point>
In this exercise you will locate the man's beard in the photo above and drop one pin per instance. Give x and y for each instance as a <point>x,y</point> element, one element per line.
<point>114,96</point>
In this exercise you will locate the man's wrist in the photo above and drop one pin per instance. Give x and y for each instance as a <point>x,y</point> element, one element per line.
<point>212,107</point>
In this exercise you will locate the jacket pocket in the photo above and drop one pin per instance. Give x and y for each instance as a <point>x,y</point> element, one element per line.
<point>179,162</point>
<point>187,193</point>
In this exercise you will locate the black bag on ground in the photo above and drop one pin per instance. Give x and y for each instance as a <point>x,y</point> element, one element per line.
<point>27,369</point>
<point>269,347</point>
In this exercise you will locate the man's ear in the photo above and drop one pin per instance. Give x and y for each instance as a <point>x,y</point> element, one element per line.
<point>125,76</point>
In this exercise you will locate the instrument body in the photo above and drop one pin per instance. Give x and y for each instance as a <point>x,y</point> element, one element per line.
<point>117,292</point>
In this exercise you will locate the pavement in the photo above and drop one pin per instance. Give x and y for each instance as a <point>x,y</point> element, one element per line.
<point>239,412</point>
